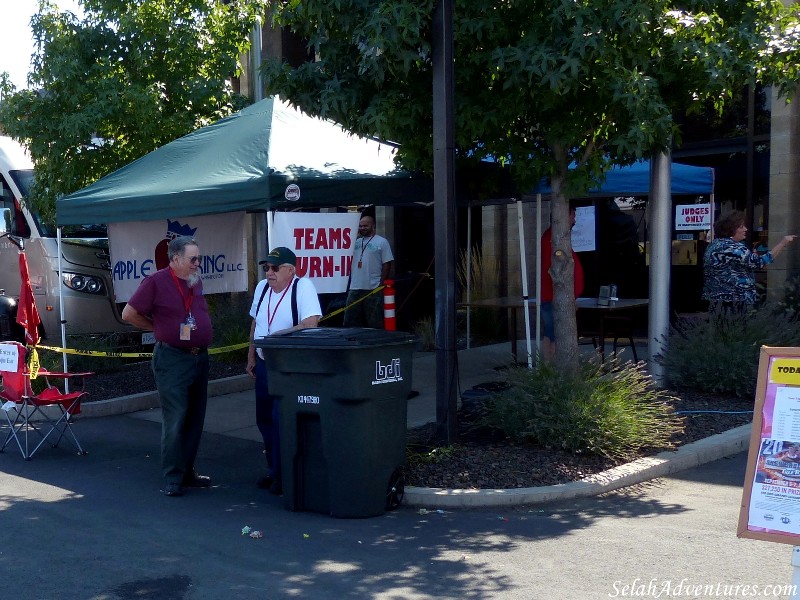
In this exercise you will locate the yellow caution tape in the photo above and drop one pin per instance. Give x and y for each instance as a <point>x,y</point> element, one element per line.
<point>33,365</point>
<point>344,308</point>
<point>79,352</point>
<point>220,350</point>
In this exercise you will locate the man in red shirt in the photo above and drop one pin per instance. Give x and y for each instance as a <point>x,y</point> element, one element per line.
<point>548,324</point>
<point>171,304</point>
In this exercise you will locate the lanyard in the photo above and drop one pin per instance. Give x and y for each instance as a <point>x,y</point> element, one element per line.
<point>271,317</point>
<point>364,248</point>
<point>187,302</point>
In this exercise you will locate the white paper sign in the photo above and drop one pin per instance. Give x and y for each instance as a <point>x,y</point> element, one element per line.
<point>323,243</point>
<point>693,216</point>
<point>139,249</point>
<point>9,357</point>
<point>583,238</point>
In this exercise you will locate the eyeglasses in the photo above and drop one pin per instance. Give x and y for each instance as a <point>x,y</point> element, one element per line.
<point>273,268</point>
<point>194,260</point>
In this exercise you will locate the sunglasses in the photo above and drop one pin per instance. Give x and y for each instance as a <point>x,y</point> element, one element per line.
<point>273,268</point>
<point>194,260</point>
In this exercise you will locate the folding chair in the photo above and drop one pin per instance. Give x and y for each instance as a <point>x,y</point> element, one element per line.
<point>48,413</point>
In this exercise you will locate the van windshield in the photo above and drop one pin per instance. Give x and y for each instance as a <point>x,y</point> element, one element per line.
<point>24,180</point>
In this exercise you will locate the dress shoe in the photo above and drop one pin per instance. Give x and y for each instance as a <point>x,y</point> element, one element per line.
<point>265,482</point>
<point>173,489</point>
<point>276,488</point>
<point>197,481</point>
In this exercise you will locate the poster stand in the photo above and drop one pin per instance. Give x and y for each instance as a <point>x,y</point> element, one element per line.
<point>770,509</point>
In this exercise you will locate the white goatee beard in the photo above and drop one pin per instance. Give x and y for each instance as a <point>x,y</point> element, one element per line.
<point>193,279</point>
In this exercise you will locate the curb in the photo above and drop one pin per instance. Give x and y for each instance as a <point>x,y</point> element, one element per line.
<point>666,463</point>
<point>147,400</point>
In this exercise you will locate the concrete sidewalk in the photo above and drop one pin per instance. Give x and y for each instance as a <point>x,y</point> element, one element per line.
<point>231,412</point>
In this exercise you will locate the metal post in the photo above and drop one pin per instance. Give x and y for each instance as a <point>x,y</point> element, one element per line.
<point>64,361</point>
<point>795,572</point>
<point>444,221</point>
<point>469,270</point>
<point>538,275</point>
<point>523,259</point>
<point>660,208</point>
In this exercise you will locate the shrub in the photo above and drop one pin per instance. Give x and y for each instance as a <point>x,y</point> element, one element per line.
<point>613,410</point>
<point>230,316</point>
<point>720,355</point>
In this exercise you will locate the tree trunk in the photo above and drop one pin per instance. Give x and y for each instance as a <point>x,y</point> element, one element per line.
<point>562,273</point>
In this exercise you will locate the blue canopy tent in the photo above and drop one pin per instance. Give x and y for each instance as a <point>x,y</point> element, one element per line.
<point>632,180</point>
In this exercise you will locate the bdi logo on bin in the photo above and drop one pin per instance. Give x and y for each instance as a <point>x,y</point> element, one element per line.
<point>387,373</point>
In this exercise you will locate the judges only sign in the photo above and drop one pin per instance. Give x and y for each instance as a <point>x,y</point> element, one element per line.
<point>692,216</point>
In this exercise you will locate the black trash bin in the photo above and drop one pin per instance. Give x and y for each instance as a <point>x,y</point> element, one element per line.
<point>343,407</point>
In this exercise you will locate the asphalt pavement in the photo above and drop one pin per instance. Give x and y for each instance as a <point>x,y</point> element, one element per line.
<point>231,412</point>
<point>97,526</point>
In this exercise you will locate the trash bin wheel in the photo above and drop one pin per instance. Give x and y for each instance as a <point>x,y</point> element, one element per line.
<point>396,489</point>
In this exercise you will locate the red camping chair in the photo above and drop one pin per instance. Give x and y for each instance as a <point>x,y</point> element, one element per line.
<point>47,413</point>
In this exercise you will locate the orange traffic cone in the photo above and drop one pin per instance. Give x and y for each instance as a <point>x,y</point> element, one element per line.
<point>389,321</point>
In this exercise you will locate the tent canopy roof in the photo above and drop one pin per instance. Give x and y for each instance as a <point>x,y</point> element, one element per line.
<point>246,162</point>
<point>634,180</point>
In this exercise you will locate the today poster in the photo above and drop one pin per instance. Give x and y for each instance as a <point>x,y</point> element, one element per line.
<point>771,499</point>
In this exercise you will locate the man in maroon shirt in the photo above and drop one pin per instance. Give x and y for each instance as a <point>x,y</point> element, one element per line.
<point>171,304</point>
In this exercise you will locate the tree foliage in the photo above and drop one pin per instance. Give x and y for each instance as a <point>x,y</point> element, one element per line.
<point>539,84</point>
<point>122,80</point>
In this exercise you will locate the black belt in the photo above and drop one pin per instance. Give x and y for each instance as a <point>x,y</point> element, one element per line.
<point>194,350</point>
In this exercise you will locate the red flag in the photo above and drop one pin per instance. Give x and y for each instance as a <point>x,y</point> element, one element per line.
<point>27,313</point>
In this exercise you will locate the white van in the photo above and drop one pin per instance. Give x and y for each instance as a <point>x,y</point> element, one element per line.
<point>89,306</point>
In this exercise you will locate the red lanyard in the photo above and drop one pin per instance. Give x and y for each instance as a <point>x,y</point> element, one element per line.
<point>271,317</point>
<point>187,302</point>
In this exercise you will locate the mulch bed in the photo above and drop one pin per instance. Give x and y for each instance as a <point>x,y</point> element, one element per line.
<point>485,459</point>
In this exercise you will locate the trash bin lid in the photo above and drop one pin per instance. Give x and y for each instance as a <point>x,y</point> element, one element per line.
<point>337,337</point>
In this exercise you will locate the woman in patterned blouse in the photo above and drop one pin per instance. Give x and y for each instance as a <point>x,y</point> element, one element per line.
<point>729,284</point>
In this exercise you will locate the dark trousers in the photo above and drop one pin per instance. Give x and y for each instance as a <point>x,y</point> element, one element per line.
<point>267,409</point>
<point>367,313</point>
<point>182,382</point>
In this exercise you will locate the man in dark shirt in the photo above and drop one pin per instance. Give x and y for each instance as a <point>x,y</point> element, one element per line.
<point>171,304</point>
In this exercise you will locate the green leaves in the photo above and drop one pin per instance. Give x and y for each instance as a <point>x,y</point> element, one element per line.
<point>123,80</point>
